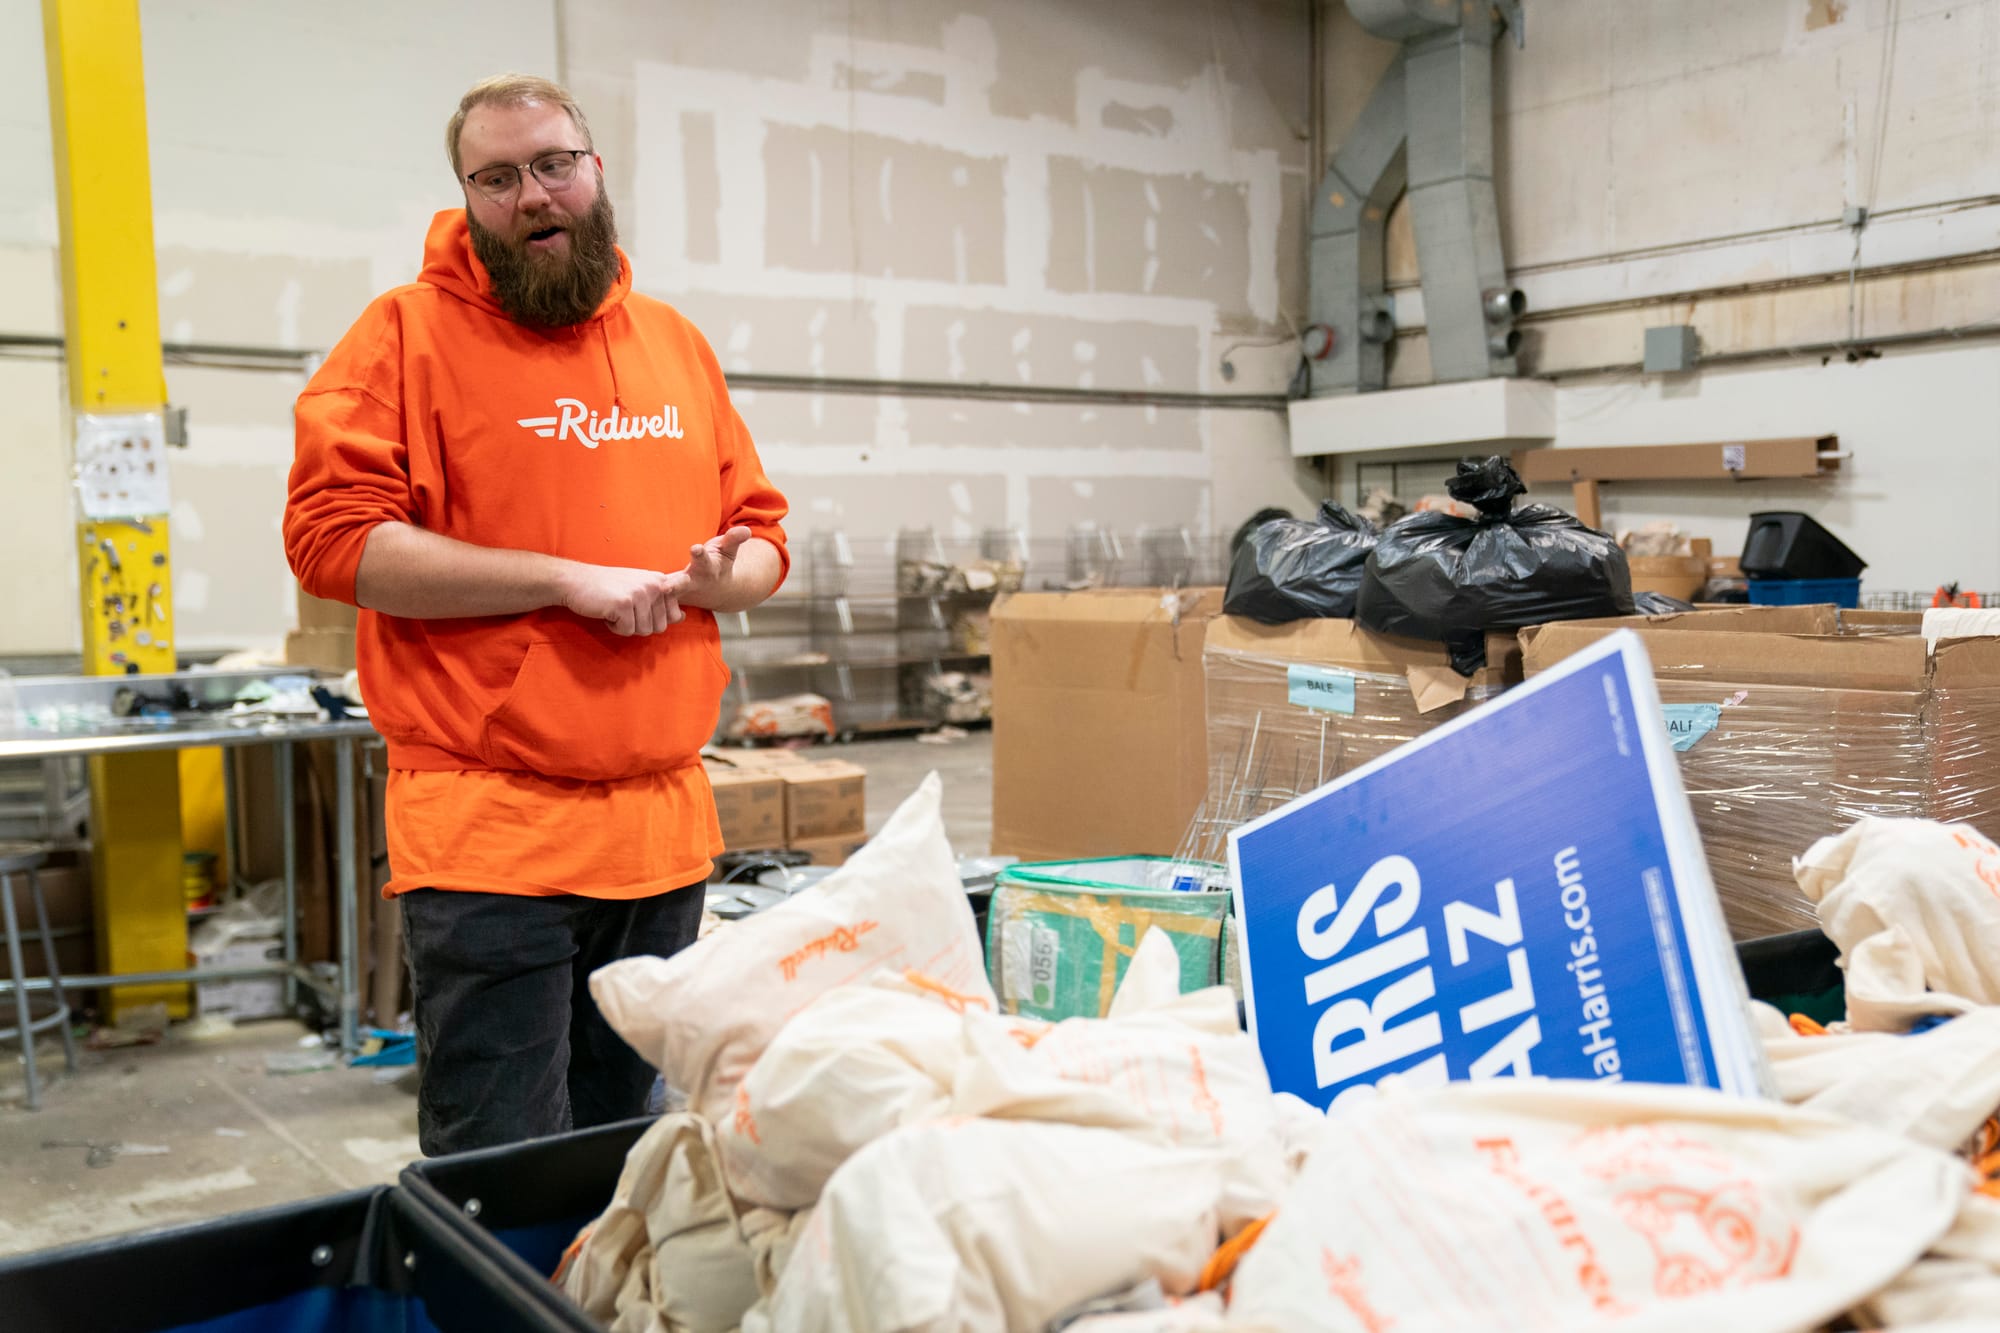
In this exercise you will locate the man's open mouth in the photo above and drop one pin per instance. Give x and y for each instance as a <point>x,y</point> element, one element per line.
<point>544,234</point>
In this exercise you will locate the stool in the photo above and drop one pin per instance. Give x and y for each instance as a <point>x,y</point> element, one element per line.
<point>24,859</point>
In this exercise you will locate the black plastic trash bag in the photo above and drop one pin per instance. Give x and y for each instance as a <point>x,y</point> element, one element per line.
<point>1298,569</point>
<point>1436,576</point>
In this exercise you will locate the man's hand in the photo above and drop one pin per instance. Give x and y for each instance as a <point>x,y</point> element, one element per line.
<point>631,601</point>
<point>710,565</point>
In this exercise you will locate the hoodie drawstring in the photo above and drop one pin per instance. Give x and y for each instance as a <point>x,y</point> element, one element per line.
<point>617,395</point>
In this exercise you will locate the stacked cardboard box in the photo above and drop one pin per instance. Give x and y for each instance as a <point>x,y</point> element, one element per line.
<point>1098,746</point>
<point>325,636</point>
<point>1794,722</point>
<point>1292,707</point>
<point>772,799</point>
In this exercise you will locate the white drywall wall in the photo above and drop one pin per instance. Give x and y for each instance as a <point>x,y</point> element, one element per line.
<point>1688,162</point>
<point>1916,500</point>
<point>996,191</point>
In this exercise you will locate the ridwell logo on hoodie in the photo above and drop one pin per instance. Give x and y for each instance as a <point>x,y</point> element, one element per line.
<point>573,420</point>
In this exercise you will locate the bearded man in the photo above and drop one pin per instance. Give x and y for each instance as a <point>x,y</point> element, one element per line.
<point>531,481</point>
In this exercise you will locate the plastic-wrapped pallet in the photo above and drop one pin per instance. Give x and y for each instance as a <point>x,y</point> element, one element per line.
<point>1294,706</point>
<point>1791,730</point>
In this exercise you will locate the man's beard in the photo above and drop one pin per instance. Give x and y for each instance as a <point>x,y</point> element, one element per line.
<point>549,290</point>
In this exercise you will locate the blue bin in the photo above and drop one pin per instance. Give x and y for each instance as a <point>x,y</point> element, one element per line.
<point>1806,592</point>
<point>373,1261</point>
<point>518,1207</point>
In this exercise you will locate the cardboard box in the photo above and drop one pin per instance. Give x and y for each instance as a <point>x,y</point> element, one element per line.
<point>245,998</point>
<point>1098,740</point>
<point>1679,576</point>
<point>831,851</point>
<point>1292,707</point>
<point>1790,729</point>
<point>324,649</point>
<point>318,613</point>
<point>750,806</point>
<point>757,757</point>
<point>824,799</point>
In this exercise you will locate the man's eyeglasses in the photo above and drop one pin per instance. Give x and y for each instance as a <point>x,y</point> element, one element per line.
<point>556,171</point>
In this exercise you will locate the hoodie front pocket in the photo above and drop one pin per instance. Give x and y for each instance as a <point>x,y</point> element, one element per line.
<point>594,706</point>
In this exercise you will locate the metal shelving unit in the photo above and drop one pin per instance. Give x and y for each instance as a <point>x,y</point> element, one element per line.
<point>44,800</point>
<point>871,623</point>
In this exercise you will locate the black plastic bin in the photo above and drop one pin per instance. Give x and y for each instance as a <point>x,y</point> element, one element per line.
<point>1798,972</point>
<point>373,1261</point>
<point>520,1206</point>
<point>1786,544</point>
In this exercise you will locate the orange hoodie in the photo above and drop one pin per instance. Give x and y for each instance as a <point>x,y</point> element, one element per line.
<point>612,442</point>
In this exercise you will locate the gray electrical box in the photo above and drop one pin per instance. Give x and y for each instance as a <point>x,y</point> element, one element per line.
<point>1671,348</point>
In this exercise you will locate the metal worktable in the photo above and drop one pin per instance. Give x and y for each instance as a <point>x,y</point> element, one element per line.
<point>109,736</point>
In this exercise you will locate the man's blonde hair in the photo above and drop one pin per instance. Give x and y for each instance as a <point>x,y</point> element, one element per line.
<point>509,90</point>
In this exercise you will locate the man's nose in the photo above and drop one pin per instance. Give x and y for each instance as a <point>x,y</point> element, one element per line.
<point>533,195</point>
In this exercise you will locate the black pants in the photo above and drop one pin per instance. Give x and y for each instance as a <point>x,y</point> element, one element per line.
<point>512,1046</point>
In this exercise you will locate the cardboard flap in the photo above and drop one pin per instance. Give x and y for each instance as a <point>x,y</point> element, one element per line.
<point>1344,644</point>
<point>1966,663</point>
<point>1435,687</point>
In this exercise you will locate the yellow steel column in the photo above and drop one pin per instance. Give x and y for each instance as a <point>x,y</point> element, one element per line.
<point>117,396</point>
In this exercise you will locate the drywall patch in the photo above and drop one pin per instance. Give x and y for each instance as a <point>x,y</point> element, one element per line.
<point>260,403</point>
<point>701,187</point>
<point>1119,503</point>
<point>922,85</point>
<point>238,561</point>
<point>939,343</point>
<point>808,419</point>
<point>263,300</point>
<point>981,424</point>
<point>834,201</point>
<point>1154,121</point>
<point>1116,230</point>
<point>879,505</point>
<point>794,335</point>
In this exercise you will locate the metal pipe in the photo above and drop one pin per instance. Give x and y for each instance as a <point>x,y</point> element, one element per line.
<point>283,358</point>
<point>1826,348</point>
<point>1009,393</point>
<point>233,876</point>
<point>1677,248</point>
<point>103,981</point>
<point>350,889</point>
<point>289,359</point>
<point>1939,264</point>
<point>288,821</point>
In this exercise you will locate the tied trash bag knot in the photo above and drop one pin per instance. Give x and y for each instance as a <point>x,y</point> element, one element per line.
<point>1489,487</point>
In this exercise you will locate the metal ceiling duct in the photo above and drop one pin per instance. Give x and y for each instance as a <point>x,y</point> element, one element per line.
<point>1428,128</point>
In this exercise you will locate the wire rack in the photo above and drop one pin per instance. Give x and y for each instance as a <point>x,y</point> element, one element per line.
<point>1917,601</point>
<point>869,622</point>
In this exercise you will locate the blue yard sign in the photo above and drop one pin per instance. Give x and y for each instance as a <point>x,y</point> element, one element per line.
<point>1519,893</point>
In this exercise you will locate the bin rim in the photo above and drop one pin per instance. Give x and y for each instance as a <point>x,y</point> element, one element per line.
<point>425,1185</point>
<point>1037,875</point>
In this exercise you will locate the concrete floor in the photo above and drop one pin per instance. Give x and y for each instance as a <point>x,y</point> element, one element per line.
<point>199,1126</point>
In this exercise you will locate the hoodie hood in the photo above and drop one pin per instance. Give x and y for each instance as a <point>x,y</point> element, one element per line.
<point>451,266</point>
